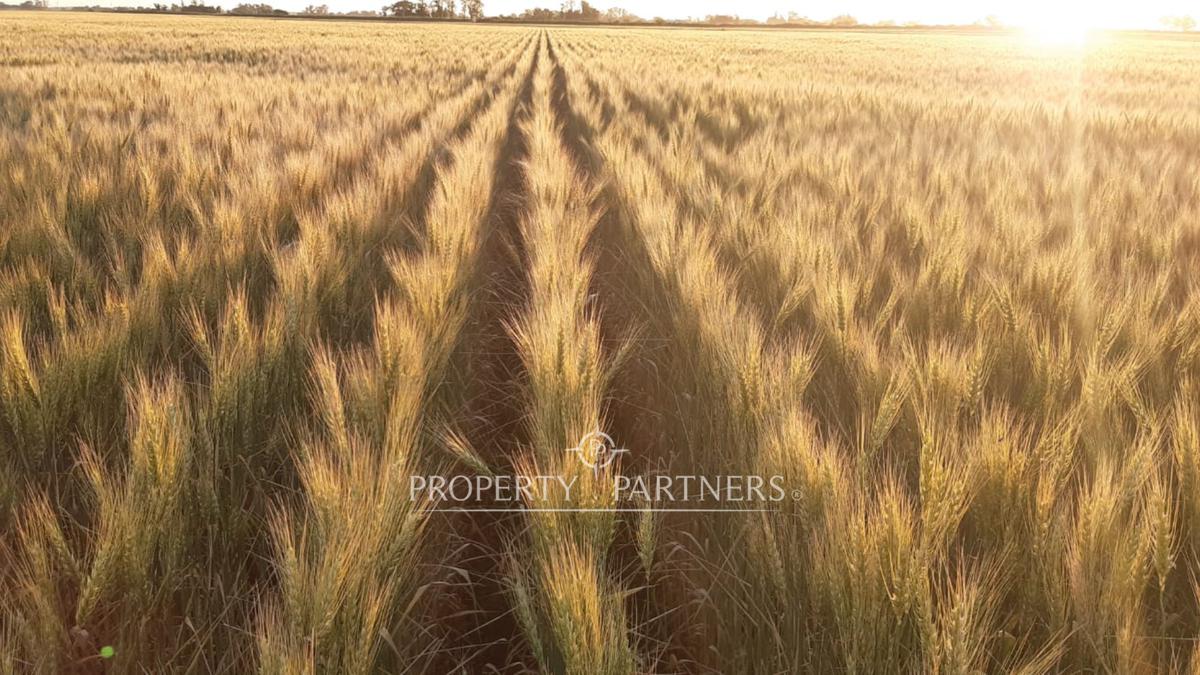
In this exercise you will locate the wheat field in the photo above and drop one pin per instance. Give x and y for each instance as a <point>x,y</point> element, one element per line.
<point>258,277</point>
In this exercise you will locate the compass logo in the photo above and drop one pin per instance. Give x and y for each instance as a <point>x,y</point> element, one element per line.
<point>597,450</point>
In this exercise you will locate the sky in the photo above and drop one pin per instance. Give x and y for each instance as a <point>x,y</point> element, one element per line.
<point>1095,14</point>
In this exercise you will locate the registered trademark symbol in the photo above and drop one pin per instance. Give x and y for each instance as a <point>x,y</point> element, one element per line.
<point>797,494</point>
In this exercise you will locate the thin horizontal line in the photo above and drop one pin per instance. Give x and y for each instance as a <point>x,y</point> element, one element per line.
<point>460,510</point>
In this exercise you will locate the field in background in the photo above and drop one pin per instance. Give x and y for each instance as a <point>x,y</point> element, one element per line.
<point>254,275</point>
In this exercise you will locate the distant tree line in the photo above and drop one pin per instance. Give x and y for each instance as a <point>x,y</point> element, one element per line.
<point>258,9</point>
<point>568,11</point>
<point>586,13</point>
<point>192,7</point>
<point>436,9</point>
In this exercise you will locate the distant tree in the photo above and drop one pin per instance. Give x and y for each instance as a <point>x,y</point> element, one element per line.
<point>442,9</point>
<point>472,9</point>
<point>886,23</point>
<point>843,20</point>
<point>618,15</point>
<point>540,14</point>
<point>196,7</point>
<point>318,10</point>
<point>993,21</point>
<point>252,8</point>
<point>407,9</point>
<point>1183,23</point>
<point>567,8</point>
<point>587,12</point>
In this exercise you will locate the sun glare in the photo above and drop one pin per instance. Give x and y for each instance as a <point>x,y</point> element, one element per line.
<point>1063,36</point>
<point>1060,31</point>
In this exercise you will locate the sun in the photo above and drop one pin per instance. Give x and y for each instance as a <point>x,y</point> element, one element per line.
<point>1055,29</point>
<point>1058,35</point>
